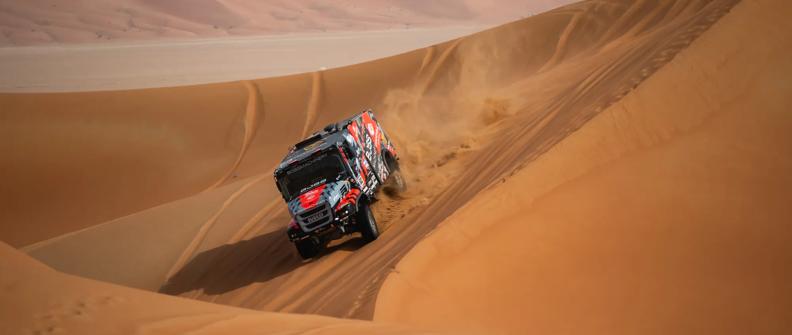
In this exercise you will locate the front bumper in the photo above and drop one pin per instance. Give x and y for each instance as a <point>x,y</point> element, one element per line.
<point>338,225</point>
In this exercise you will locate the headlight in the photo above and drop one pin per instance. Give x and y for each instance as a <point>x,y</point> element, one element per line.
<point>344,211</point>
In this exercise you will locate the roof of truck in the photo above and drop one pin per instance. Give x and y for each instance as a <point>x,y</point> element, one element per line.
<point>318,143</point>
<point>324,139</point>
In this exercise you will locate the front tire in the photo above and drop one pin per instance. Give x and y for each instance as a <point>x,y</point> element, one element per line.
<point>306,248</point>
<point>366,223</point>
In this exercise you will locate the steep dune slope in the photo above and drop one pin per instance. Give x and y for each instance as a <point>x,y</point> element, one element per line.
<point>464,114</point>
<point>38,300</point>
<point>666,213</point>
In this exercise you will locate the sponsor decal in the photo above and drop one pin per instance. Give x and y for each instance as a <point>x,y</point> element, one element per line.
<point>311,198</point>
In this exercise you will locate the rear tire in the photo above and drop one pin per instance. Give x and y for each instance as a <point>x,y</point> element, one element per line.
<point>306,248</point>
<point>395,184</point>
<point>366,223</point>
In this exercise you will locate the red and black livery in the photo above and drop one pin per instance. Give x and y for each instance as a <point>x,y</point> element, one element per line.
<point>330,179</point>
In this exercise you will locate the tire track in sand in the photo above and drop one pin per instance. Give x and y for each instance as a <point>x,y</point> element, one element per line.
<point>563,42</point>
<point>657,13</point>
<point>200,236</point>
<point>247,228</point>
<point>314,102</point>
<point>428,56</point>
<point>623,24</point>
<point>432,76</point>
<point>252,112</point>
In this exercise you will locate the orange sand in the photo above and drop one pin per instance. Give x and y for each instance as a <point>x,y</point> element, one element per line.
<point>666,213</point>
<point>38,300</point>
<point>609,166</point>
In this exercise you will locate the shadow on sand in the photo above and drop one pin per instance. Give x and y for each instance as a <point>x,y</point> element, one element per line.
<point>232,266</point>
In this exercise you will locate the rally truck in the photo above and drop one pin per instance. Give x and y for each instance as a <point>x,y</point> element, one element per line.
<point>330,179</point>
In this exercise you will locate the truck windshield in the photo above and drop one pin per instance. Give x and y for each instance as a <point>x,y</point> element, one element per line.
<point>311,173</point>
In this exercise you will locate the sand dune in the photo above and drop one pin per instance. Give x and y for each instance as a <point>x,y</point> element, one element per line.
<point>44,301</point>
<point>666,213</point>
<point>583,164</point>
<point>46,21</point>
<point>149,64</point>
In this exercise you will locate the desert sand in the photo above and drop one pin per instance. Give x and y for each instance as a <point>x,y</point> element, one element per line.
<point>606,167</point>
<point>40,22</point>
<point>39,300</point>
<point>668,212</point>
<point>166,63</point>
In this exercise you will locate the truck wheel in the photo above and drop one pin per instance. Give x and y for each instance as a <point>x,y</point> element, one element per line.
<point>307,248</point>
<point>366,223</point>
<point>395,184</point>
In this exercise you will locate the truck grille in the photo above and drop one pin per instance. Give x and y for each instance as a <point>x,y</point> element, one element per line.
<point>315,217</point>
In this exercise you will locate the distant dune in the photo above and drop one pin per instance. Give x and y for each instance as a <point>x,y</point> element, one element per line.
<point>606,167</point>
<point>191,61</point>
<point>64,21</point>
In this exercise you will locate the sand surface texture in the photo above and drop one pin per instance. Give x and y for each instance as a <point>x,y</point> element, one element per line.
<point>666,213</point>
<point>38,300</point>
<point>37,22</point>
<point>606,167</point>
<point>158,63</point>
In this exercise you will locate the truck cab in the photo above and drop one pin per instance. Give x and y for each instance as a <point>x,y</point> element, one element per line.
<point>330,179</point>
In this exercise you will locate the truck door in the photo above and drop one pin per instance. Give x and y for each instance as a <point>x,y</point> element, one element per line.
<point>372,138</point>
<point>368,178</point>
